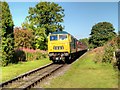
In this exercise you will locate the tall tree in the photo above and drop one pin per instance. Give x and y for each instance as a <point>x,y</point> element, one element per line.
<point>101,33</point>
<point>44,18</point>
<point>6,25</point>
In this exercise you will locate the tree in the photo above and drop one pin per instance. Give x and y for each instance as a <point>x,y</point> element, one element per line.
<point>44,18</point>
<point>85,41</point>
<point>6,24</point>
<point>23,38</point>
<point>101,33</point>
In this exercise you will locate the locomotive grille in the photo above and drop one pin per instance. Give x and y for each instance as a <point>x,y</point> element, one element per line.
<point>58,47</point>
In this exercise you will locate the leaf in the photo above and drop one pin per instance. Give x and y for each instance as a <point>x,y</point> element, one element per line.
<point>44,18</point>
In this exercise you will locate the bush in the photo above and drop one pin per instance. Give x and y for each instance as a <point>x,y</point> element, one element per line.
<point>7,50</point>
<point>117,64</point>
<point>35,56</point>
<point>118,41</point>
<point>25,54</point>
<point>32,54</point>
<point>99,54</point>
<point>106,54</point>
<point>109,51</point>
<point>19,55</point>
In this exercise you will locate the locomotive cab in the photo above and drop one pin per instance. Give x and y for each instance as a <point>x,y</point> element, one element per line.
<point>58,46</point>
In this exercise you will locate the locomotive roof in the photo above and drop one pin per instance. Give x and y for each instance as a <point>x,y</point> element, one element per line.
<point>60,32</point>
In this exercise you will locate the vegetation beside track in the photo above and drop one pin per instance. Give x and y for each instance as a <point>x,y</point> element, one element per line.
<point>85,73</point>
<point>14,70</point>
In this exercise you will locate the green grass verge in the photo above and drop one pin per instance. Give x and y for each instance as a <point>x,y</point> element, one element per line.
<point>84,73</point>
<point>14,70</point>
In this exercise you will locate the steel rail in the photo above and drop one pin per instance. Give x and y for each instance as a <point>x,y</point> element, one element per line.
<point>24,75</point>
<point>38,79</point>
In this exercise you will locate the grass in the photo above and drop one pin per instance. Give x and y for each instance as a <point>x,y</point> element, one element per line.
<point>14,70</point>
<point>84,73</point>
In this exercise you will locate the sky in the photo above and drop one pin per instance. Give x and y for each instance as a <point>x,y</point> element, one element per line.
<point>79,16</point>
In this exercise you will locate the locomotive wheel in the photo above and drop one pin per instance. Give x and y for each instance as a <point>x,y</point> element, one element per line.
<point>67,60</point>
<point>53,61</point>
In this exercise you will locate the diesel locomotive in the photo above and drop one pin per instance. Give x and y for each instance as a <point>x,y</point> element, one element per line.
<point>62,46</point>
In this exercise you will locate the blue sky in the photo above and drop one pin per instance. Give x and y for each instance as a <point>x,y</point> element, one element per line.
<point>79,16</point>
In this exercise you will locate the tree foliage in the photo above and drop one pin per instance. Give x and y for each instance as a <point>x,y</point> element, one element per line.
<point>101,33</point>
<point>44,18</point>
<point>23,38</point>
<point>6,24</point>
<point>85,41</point>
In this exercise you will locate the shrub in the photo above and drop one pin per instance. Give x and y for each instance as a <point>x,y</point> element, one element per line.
<point>108,55</point>
<point>32,54</point>
<point>7,50</point>
<point>118,41</point>
<point>110,48</point>
<point>99,54</point>
<point>25,54</point>
<point>19,55</point>
<point>117,64</point>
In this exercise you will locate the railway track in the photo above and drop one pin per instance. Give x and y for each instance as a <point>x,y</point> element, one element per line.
<point>30,79</point>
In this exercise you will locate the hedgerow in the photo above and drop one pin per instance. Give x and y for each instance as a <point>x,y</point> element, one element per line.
<point>26,54</point>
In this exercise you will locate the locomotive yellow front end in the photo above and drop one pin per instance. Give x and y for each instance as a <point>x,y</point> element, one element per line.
<point>58,46</point>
